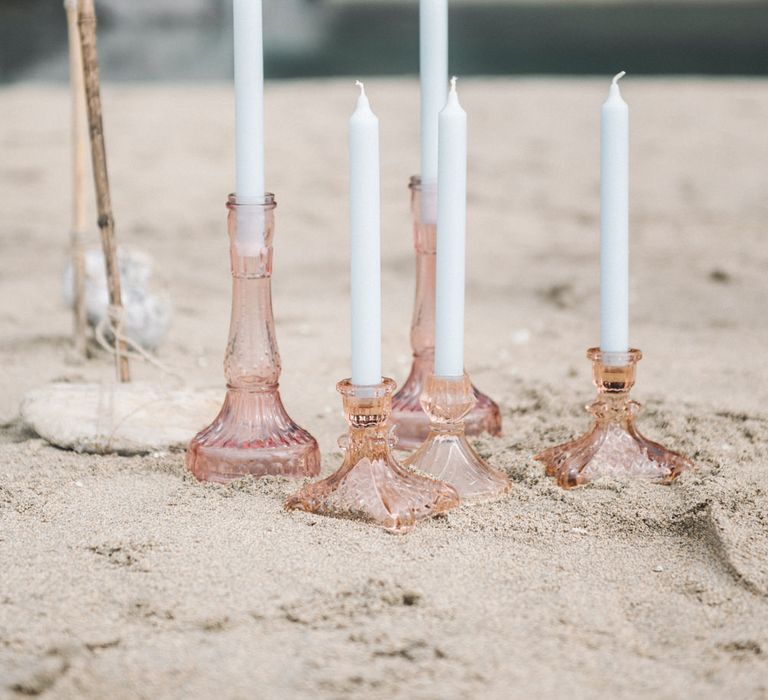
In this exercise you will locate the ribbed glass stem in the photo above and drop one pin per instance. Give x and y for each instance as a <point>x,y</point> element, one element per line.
<point>252,360</point>
<point>425,243</point>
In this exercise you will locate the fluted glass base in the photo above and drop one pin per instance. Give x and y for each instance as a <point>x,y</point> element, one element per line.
<point>612,449</point>
<point>446,454</point>
<point>252,436</point>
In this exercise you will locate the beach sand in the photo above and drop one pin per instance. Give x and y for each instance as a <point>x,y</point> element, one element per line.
<point>124,578</point>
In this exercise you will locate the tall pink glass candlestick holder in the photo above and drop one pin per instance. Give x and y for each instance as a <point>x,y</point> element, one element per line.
<point>446,454</point>
<point>253,434</point>
<point>407,412</point>
<point>370,484</point>
<point>613,446</point>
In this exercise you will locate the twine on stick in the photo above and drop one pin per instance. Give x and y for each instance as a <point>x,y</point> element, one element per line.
<point>78,225</point>
<point>87,24</point>
<point>112,325</point>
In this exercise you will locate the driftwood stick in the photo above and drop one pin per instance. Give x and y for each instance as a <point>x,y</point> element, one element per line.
<point>78,226</point>
<point>87,25</point>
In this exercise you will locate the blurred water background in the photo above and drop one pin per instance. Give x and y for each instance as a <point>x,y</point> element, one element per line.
<point>155,40</point>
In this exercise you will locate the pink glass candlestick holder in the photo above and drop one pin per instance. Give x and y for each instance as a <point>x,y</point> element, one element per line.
<point>370,484</point>
<point>253,434</point>
<point>407,412</point>
<point>446,454</point>
<point>613,446</point>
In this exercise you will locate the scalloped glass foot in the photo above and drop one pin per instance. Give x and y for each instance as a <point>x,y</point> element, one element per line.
<point>413,424</point>
<point>450,458</point>
<point>612,450</point>
<point>252,436</point>
<point>445,454</point>
<point>613,447</point>
<point>377,491</point>
<point>370,485</point>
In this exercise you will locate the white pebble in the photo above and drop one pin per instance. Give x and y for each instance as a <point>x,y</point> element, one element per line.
<point>147,312</point>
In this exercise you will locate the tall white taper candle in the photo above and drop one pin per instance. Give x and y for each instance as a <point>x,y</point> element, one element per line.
<point>249,100</point>
<point>365,258</point>
<point>614,222</point>
<point>451,238</point>
<point>433,58</point>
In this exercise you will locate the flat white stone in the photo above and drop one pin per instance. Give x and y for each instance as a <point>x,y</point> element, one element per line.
<point>133,418</point>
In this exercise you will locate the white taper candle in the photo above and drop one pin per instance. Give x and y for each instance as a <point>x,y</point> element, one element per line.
<point>451,238</point>
<point>249,100</point>
<point>364,220</point>
<point>614,222</point>
<point>433,58</point>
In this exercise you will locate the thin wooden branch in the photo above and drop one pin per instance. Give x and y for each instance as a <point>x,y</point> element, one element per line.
<point>78,226</point>
<point>87,25</point>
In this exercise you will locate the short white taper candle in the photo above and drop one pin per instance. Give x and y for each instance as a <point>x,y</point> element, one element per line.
<point>451,238</point>
<point>365,254</point>
<point>614,222</point>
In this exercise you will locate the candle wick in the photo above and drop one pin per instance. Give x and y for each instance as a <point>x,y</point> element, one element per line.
<point>360,84</point>
<point>618,77</point>
<point>453,83</point>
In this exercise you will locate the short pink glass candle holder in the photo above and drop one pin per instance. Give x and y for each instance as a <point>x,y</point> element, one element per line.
<point>252,435</point>
<point>445,453</point>
<point>407,412</point>
<point>613,446</point>
<point>370,484</point>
